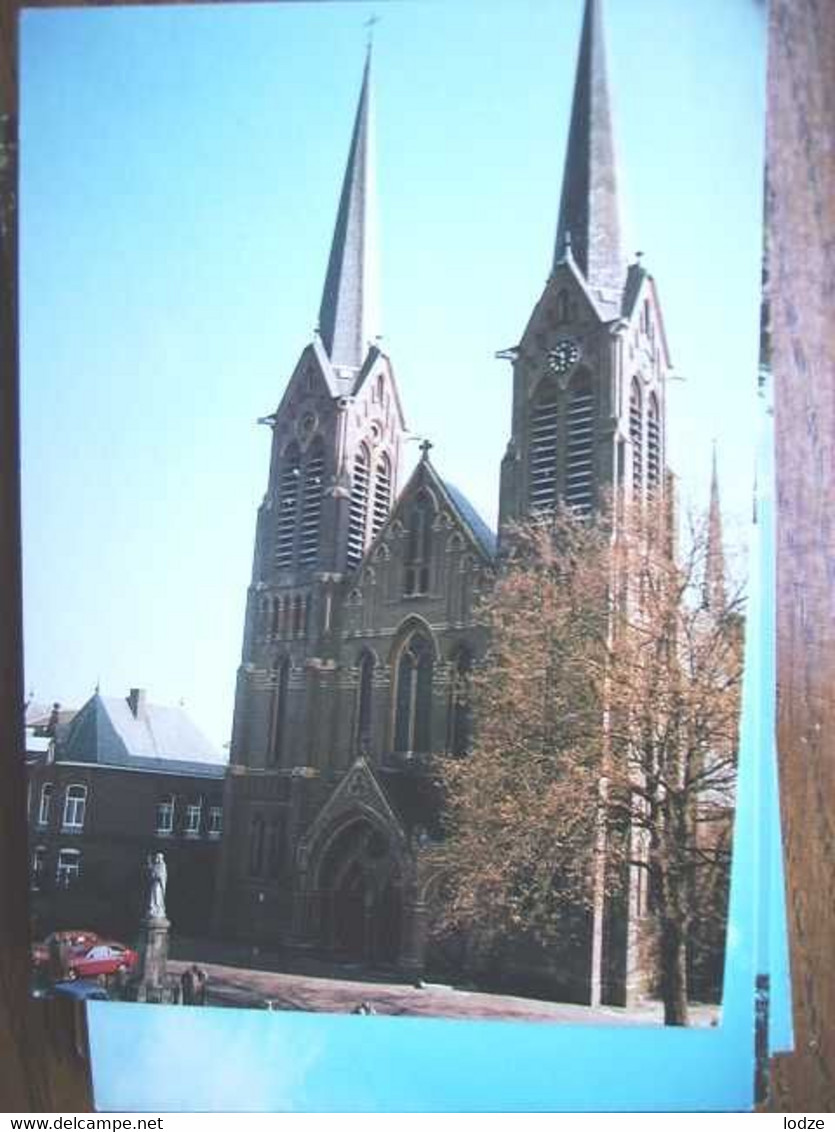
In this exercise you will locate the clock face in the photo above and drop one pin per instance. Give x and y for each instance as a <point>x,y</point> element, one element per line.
<point>564,355</point>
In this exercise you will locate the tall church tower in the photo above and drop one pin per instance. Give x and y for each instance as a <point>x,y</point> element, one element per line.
<point>337,437</point>
<point>589,372</point>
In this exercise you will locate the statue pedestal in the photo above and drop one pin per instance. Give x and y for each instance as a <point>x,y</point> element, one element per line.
<point>154,985</point>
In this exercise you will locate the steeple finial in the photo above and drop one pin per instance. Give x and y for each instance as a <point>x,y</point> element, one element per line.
<point>348,319</point>
<point>714,584</point>
<point>589,203</point>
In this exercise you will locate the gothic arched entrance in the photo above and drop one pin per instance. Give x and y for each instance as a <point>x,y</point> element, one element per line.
<point>359,885</point>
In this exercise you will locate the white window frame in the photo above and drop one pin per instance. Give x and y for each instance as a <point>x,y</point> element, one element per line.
<point>67,872</point>
<point>72,804</point>
<point>215,821</point>
<point>166,806</point>
<point>194,814</point>
<point>47,790</point>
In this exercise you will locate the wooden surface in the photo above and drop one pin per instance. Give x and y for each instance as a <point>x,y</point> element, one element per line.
<point>801,147</point>
<point>40,1066</point>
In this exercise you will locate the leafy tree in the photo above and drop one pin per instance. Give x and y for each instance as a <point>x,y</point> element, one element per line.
<point>606,713</point>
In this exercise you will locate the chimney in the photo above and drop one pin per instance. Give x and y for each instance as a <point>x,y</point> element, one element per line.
<point>136,702</point>
<point>53,721</point>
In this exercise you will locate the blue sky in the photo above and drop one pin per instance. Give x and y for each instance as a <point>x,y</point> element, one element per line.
<point>180,171</point>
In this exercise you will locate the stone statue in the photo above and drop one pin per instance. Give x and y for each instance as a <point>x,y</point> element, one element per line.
<point>157,880</point>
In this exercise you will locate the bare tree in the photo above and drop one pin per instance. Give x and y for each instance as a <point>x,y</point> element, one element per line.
<point>606,715</point>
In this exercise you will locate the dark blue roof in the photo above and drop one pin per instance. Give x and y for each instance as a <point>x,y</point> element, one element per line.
<point>485,538</point>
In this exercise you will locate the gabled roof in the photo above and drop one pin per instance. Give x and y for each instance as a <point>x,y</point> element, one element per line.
<point>157,738</point>
<point>589,216</point>
<point>348,317</point>
<point>469,519</point>
<point>637,279</point>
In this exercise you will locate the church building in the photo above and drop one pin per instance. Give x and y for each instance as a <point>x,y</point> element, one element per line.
<point>361,623</point>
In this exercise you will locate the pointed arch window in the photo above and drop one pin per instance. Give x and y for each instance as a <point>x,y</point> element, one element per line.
<point>365,690</point>
<point>278,715</point>
<point>543,458</point>
<point>382,494</point>
<point>358,508</point>
<point>579,456</point>
<point>288,507</point>
<point>413,712</point>
<point>460,721</point>
<point>419,545</point>
<point>314,473</point>
<point>636,435</point>
<point>275,852</point>
<point>256,846</point>
<point>653,444</point>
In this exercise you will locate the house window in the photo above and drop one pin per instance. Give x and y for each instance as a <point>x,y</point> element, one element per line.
<point>412,721</point>
<point>215,821</point>
<point>459,703</point>
<point>194,811</point>
<point>45,803</point>
<point>75,805</point>
<point>288,508</point>
<point>364,694</point>
<point>69,867</point>
<point>543,467</point>
<point>38,862</point>
<point>579,456</point>
<point>419,547</point>
<point>278,720</point>
<point>165,816</point>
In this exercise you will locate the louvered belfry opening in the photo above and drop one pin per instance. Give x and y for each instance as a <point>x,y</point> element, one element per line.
<point>288,508</point>
<point>653,444</point>
<point>312,506</point>
<point>358,510</point>
<point>579,454</point>
<point>636,435</point>
<point>543,459</point>
<point>382,494</point>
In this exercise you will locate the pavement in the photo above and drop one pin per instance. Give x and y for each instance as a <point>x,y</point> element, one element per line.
<point>275,990</point>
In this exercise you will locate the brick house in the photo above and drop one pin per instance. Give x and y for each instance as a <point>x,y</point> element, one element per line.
<point>117,780</point>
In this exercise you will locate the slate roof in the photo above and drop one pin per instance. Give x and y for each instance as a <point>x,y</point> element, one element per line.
<point>589,208</point>
<point>485,538</point>
<point>348,315</point>
<point>159,738</point>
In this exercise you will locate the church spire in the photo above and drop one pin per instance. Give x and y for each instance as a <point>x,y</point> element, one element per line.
<point>348,313</point>
<point>589,220</point>
<point>714,584</point>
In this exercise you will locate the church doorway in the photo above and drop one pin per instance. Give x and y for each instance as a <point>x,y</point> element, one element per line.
<point>360,890</point>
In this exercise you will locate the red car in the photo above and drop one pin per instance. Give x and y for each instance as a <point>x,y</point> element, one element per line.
<point>75,940</point>
<point>103,958</point>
